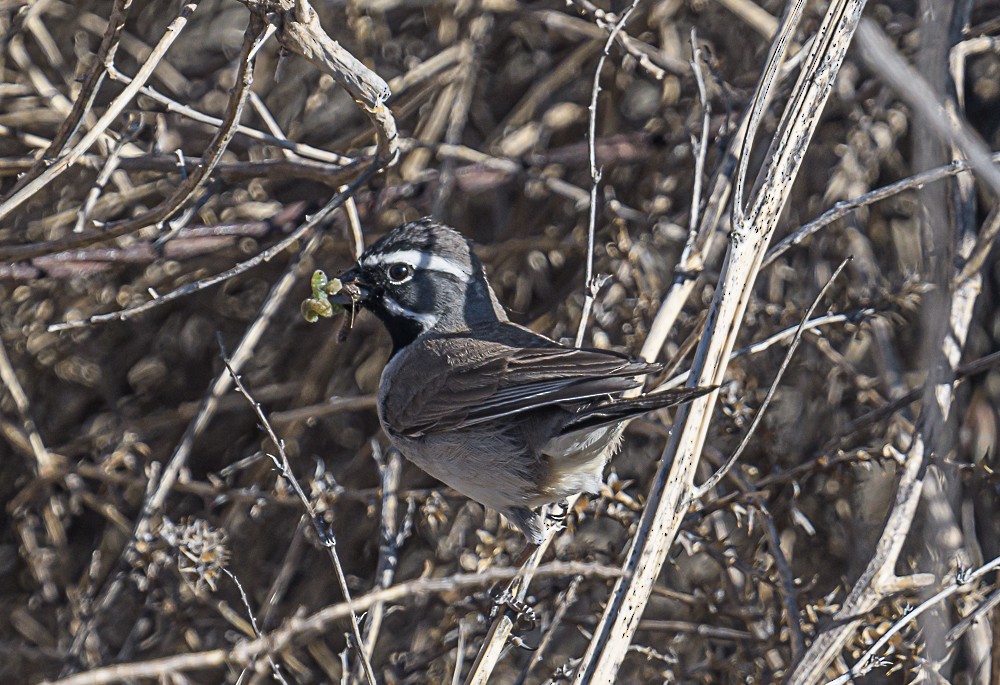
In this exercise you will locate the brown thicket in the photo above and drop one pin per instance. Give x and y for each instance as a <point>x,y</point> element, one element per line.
<point>171,174</point>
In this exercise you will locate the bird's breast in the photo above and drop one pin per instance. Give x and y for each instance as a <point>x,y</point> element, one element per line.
<point>486,466</point>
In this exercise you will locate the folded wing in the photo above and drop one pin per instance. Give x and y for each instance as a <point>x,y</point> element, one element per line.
<point>462,386</point>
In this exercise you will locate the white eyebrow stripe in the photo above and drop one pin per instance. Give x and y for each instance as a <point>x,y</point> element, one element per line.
<point>421,260</point>
<point>396,309</point>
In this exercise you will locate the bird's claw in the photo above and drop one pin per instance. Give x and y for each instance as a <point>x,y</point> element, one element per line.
<point>524,616</point>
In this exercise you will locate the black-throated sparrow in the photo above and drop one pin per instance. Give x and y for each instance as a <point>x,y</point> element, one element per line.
<point>502,414</point>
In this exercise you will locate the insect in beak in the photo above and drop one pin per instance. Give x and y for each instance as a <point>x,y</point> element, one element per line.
<point>333,296</point>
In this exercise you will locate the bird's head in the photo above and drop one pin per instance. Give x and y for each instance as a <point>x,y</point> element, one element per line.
<point>421,276</point>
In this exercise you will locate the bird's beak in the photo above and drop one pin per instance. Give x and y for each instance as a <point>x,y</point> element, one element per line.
<point>353,291</point>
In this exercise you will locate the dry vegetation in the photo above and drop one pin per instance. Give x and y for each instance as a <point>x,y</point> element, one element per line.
<point>145,511</point>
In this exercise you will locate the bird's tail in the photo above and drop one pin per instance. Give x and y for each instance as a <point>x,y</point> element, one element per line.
<point>598,415</point>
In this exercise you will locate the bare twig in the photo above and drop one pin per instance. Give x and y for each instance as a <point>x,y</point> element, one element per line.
<point>566,599</point>
<point>88,91</point>
<point>775,58</point>
<point>514,169</point>
<point>503,624</point>
<point>913,87</point>
<point>652,60</point>
<point>788,589</point>
<point>45,465</point>
<point>700,144</point>
<point>328,173</point>
<point>325,535</point>
<point>171,105</point>
<point>879,579</point>
<point>697,248</point>
<point>977,614</point>
<point>391,538</point>
<point>253,623</point>
<point>845,207</point>
<point>244,266</point>
<point>592,284</point>
<point>300,31</point>
<point>184,190</point>
<point>869,660</point>
<point>153,504</point>
<point>774,339</point>
<point>471,49</point>
<point>714,479</point>
<point>110,165</point>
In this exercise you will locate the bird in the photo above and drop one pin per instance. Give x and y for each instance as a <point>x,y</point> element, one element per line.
<point>504,415</point>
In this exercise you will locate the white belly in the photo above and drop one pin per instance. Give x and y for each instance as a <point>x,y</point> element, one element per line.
<point>577,461</point>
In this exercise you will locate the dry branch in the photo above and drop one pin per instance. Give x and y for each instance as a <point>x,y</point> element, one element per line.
<point>879,579</point>
<point>493,117</point>
<point>669,493</point>
<point>299,30</point>
<point>301,628</point>
<point>869,659</point>
<point>879,54</point>
<point>184,191</point>
<point>110,114</point>
<point>326,536</point>
<point>88,90</point>
<point>301,231</point>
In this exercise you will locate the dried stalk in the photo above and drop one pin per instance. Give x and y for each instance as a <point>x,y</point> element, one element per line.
<point>244,266</point>
<point>670,491</point>
<point>88,91</point>
<point>721,472</point>
<point>110,114</point>
<point>591,283</point>
<point>500,630</point>
<point>391,538</point>
<point>184,190</point>
<point>910,84</point>
<point>845,207</point>
<point>44,466</point>
<point>879,580</point>
<point>159,489</point>
<point>869,659</point>
<point>299,30</point>
<point>325,535</point>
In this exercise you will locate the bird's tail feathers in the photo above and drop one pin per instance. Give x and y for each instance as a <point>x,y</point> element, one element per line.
<point>624,409</point>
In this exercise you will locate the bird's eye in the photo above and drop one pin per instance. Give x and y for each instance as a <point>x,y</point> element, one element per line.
<point>399,272</point>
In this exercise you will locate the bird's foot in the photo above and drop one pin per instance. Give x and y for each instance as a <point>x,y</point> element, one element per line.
<point>503,598</point>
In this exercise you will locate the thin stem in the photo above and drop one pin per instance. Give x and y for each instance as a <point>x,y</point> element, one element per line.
<point>326,536</point>
<point>721,473</point>
<point>868,660</point>
<point>592,285</point>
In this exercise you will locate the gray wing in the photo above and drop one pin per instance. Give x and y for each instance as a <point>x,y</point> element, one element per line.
<point>463,382</point>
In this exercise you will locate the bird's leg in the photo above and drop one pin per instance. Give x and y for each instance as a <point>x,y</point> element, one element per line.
<point>503,595</point>
<point>524,617</point>
<point>524,614</point>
